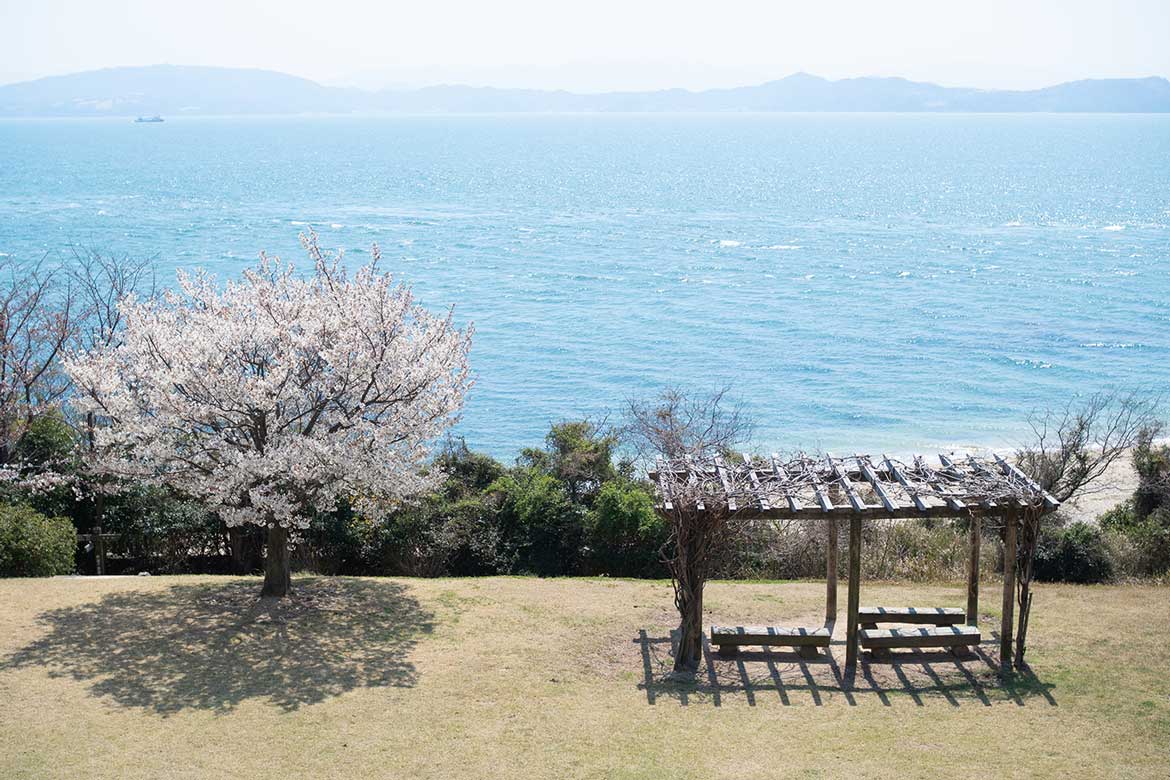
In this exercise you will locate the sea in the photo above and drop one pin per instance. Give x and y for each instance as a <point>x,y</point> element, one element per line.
<point>860,282</point>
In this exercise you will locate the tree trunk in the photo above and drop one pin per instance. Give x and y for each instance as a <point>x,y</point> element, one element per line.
<point>236,546</point>
<point>690,629</point>
<point>1007,619</point>
<point>246,543</point>
<point>277,564</point>
<point>1022,630</point>
<point>1025,569</point>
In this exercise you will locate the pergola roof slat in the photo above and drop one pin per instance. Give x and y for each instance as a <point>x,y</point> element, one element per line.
<point>663,486</point>
<point>843,478</point>
<point>721,472</point>
<point>691,482</point>
<point>919,504</point>
<point>782,474</point>
<point>933,482</point>
<point>952,469</point>
<point>981,469</point>
<point>819,490</point>
<point>761,498</point>
<point>784,489</point>
<point>1010,468</point>
<point>870,476</point>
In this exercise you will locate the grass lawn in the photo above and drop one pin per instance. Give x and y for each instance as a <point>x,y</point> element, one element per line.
<point>512,677</point>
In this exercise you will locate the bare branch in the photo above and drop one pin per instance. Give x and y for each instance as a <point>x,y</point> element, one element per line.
<point>1072,449</point>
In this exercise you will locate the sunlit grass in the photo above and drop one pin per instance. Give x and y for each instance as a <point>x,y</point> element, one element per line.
<point>515,677</point>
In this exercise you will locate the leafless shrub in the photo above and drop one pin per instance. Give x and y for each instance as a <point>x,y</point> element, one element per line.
<point>677,425</point>
<point>1070,454</point>
<point>98,281</point>
<point>1072,449</point>
<point>37,323</point>
<point>46,312</point>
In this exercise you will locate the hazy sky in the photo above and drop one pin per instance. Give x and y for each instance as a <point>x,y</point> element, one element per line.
<point>597,44</point>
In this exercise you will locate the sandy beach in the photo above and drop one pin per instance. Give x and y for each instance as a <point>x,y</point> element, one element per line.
<point>1115,486</point>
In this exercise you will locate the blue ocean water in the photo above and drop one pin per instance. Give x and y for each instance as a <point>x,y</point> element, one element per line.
<point>868,282</point>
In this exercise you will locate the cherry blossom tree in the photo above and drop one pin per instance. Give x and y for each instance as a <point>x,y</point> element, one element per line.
<point>276,396</point>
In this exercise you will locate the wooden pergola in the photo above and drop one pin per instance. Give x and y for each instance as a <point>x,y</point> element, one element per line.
<point>859,488</point>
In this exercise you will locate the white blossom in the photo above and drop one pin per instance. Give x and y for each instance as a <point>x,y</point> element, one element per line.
<point>272,397</point>
<point>37,478</point>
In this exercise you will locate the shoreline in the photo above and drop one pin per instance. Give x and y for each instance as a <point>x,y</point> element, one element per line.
<point>1116,485</point>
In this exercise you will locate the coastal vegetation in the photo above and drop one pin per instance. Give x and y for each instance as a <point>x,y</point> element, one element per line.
<point>33,545</point>
<point>576,505</point>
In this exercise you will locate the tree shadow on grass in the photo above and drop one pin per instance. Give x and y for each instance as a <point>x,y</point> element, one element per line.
<point>212,647</point>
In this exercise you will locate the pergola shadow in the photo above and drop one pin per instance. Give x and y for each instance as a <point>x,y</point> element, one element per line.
<point>919,677</point>
<point>213,647</point>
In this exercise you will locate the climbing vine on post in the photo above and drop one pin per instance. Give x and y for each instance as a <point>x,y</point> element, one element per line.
<point>692,433</point>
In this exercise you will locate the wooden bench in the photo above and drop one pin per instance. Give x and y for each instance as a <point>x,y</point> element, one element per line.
<point>956,638</point>
<point>807,641</point>
<point>870,617</point>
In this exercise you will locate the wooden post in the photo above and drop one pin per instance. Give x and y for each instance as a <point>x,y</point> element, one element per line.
<point>99,544</point>
<point>99,550</point>
<point>831,574</point>
<point>1009,592</point>
<point>854,593</point>
<point>973,573</point>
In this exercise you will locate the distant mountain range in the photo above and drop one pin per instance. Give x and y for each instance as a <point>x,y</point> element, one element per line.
<point>173,90</point>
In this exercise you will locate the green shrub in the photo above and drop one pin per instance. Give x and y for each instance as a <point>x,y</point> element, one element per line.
<point>158,530</point>
<point>335,543</point>
<point>579,454</point>
<point>1142,543</point>
<point>1151,539</point>
<point>623,532</point>
<point>46,446</point>
<point>48,441</point>
<point>33,545</point>
<point>468,473</point>
<point>1120,518</point>
<point>1151,461</point>
<point>540,527</point>
<point>438,537</point>
<point>1076,553</point>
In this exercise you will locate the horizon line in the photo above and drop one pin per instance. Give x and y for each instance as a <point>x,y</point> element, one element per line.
<point>616,91</point>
